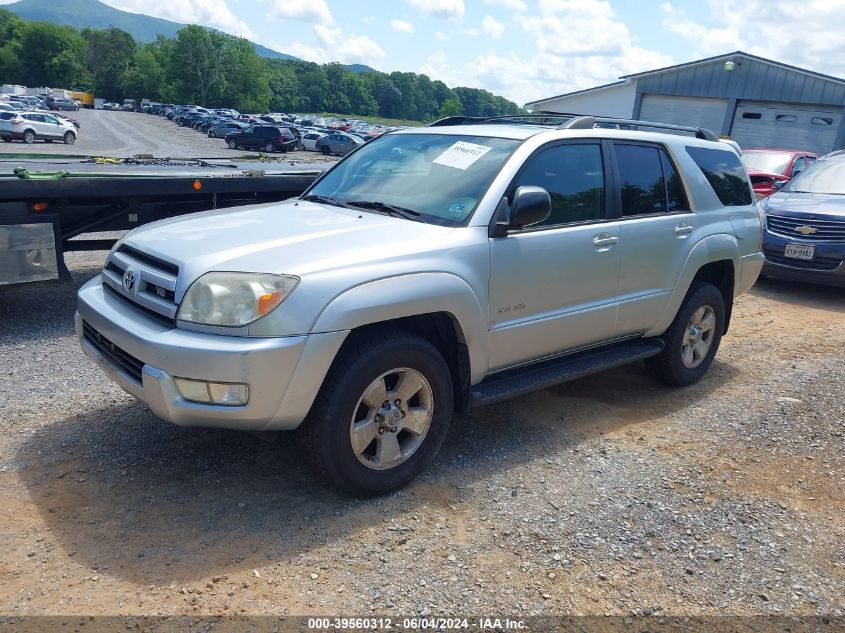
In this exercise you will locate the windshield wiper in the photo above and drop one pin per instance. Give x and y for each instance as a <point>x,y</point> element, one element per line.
<point>325,200</point>
<point>389,209</point>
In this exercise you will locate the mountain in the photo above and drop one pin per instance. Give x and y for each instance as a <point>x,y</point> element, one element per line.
<point>359,68</point>
<point>94,14</point>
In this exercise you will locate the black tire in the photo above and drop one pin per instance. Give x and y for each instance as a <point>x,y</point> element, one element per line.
<point>212,134</point>
<point>669,366</point>
<point>29,137</point>
<point>325,434</point>
<point>232,144</point>
<point>326,150</point>
<point>269,148</point>
<point>70,138</point>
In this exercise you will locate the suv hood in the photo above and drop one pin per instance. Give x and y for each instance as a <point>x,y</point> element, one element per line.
<point>816,204</point>
<point>291,237</point>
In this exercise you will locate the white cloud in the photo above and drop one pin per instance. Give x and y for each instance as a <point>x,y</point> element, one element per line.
<point>514,5</point>
<point>803,35</point>
<point>316,11</point>
<point>492,27</point>
<point>401,26</point>
<point>441,36</point>
<point>368,19</point>
<point>445,9</point>
<point>335,46</point>
<point>214,13</point>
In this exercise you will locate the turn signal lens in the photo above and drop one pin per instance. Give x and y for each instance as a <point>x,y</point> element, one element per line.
<point>38,207</point>
<point>268,301</point>
<point>197,185</point>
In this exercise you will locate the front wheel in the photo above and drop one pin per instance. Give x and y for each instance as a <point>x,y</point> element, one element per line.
<point>212,135</point>
<point>692,339</point>
<point>382,413</point>
<point>232,145</point>
<point>326,150</point>
<point>70,138</point>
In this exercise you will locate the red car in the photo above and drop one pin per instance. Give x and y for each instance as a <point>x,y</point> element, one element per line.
<point>771,169</point>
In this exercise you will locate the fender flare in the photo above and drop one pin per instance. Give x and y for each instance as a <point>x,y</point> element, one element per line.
<point>412,295</point>
<point>713,248</point>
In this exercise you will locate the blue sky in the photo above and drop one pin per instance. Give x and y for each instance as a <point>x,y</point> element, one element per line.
<point>524,49</point>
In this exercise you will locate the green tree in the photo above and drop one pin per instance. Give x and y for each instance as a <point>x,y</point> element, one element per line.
<point>109,55</point>
<point>451,107</point>
<point>284,87</point>
<point>145,77</point>
<point>247,78</point>
<point>314,88</point>
<point>53,55</point>
<point>11,33</point>
<point>197,63</point>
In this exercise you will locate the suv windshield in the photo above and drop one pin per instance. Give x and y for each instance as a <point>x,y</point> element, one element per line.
<point>441,177</point>
<point>824,176</point>
<point>768,162</point>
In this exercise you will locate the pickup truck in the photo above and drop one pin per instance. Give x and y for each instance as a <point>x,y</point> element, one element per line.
<point>432,270</point>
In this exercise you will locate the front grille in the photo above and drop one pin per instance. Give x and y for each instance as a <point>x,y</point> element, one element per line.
<point>817,263</point>
<point>146,281</point>
<point>122,360</point>
<point>825,230</point>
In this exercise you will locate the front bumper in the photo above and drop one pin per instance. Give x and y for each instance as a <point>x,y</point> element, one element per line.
<point>143,355</point>
<point>827,267</point>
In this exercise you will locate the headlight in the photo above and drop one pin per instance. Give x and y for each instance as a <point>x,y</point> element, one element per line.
<point>234,299</point>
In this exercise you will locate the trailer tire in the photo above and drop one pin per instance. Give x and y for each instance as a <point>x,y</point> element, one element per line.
<point>29,137</point>
<point>233,145</point>
<point>70,138</point>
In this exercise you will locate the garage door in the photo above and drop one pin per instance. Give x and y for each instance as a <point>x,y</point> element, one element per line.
<point>698,112</point>
<point>785,126</point>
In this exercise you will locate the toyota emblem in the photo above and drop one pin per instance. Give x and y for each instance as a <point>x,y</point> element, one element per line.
<point>128,280</point>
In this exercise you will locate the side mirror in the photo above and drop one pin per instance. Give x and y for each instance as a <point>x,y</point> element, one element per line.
<point>777,185</point>
<point>795,172</point>
<point>530,206</point>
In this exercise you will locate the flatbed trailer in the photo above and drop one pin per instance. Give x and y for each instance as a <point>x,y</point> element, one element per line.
<point>49,204</point>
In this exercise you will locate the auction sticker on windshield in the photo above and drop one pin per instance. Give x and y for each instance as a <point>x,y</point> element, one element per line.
<point>461,155</point>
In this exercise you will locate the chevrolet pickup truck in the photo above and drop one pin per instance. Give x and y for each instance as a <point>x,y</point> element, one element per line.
<point>432,270</point>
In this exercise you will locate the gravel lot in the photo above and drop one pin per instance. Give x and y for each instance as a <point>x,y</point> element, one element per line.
<point>124,134</point>
<point>609,495</point>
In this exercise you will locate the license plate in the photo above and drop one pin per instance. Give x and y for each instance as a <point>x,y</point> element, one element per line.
<point>799,251</point>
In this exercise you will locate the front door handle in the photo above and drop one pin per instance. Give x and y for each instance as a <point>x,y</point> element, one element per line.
<point>604,242</point>
<point>683,230</point>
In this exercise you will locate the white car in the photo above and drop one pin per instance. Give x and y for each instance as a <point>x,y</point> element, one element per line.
<point>37,126</point>
<point>309,140</point>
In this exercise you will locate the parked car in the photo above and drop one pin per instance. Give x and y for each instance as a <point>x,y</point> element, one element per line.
<point>309,140</point>
<point>771,169</point>
<point>64,104</point>
<point>225,128</point>
<point>36,126</point>
<point>66,118</point>
<point>268,138</point>
<point>338,143</point>
<point>804,237</point>
<point>431,271</point>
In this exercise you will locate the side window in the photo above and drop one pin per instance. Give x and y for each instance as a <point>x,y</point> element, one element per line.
<point>725,173</point>
<point>676,197</point>
<point>641,179</point>
<point>249,130</point>
<point>574,177</point>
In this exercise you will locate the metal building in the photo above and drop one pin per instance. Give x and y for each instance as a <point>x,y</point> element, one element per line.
<point>755,101</point>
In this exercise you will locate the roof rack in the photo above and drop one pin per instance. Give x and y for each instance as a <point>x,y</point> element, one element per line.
<point>570,121</point>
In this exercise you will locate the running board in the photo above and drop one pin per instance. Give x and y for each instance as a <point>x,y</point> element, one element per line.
<point>544,374</point>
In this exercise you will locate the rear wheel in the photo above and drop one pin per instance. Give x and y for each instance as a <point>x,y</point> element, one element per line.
<point>212,134</point>
<point>326,150</point>
<point>29,137</point>
<point>693,337</point>
<point>232,144</point>
<point>268,148</point>
<point>382,413</point>
<point>70,138</point>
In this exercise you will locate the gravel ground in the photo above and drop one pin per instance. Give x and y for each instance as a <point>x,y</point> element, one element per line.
<point>609,495</point>
<point>124,134</point>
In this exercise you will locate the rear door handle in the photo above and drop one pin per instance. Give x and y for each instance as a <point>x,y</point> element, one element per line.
<point>683,230</point>
<point>604,242</point>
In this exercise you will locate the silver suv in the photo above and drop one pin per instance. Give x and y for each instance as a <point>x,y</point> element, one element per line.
<point>432,270</point>
<point>32,126</point>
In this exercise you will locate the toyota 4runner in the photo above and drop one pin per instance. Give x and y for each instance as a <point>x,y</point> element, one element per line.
<point>432,270</point>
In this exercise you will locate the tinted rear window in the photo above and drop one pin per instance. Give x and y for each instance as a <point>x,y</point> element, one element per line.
<point>725,173</point>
